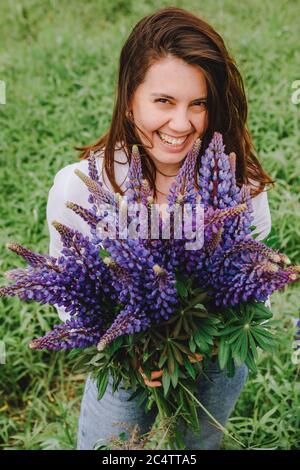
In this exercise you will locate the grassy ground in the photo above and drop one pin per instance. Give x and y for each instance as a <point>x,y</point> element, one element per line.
<point>59,62</point>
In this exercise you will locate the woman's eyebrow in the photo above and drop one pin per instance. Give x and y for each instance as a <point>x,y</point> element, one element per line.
<point>172,98</point>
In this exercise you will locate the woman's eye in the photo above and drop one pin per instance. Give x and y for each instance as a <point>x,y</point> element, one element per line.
<point>199,103</point>
<point>164,100</point>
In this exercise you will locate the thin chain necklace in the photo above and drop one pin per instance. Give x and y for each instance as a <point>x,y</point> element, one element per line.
<point>165,194</point>
<point>169,176</point>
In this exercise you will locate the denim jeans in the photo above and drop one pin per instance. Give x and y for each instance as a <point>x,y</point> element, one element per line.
<point>219,395</point>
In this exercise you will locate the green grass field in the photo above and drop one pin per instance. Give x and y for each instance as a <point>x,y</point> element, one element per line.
<point>59,61</point>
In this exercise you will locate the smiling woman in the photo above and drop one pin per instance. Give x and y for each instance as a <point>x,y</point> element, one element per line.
<point>177,83</point>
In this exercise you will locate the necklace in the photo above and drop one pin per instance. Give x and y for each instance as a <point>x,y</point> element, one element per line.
<point>169,176</point>
<point>165,194</point>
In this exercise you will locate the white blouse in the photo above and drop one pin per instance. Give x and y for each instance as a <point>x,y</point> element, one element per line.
<point>67,186</point>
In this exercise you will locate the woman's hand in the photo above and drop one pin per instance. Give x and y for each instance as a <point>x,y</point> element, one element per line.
<point>156,374</point>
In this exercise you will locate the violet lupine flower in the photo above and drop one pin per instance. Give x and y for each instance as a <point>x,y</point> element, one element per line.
<point>69,335</point>
<point>134,284</point>
<point>146,277</point>
<point>216,181</point>
<point>129,321</point>
<point>33,259</point>
<point>239,276</point>
<point>182,189</point>
<point>135,176</point>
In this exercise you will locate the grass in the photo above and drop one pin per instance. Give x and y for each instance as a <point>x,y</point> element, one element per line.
<point>59,61</point>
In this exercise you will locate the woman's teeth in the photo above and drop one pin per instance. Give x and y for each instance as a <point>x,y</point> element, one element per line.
<point>170,140</point>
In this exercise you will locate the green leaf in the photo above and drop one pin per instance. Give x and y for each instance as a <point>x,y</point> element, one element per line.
<point>186,326</point>
<point>174,376</point>
<point>223,353</point>
<point>189,368</point>
<point>230,367</point>
<point>181,289</point>
<point>192,345</point>
<point>243,349</point>
<point>142,398</point>
<point>177,328</point>
<point>171,362</point>
<point>166,381</point>
<point>210,330</point>
<point>252,346</point>
<point>251,363</point>
<point>228,330</point>
<point>232,338</point>
<point>182,347</point>
<point>177,354</point>
<point>261,312</point>
<point>262,331</point>
<point>262,343</point>
<point>163,357</point>
<point>236,346</point>
<point>102,381</point>
<point>198,314</point>
<point>200,342</point>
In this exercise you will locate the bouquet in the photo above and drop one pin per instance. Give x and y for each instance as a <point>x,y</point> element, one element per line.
<point>139,301</point>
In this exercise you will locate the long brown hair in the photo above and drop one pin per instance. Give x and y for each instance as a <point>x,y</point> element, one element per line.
<point>177,32</point>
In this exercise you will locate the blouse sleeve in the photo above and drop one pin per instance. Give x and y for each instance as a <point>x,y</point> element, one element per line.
<point>262,220</point>
<point>262,216</point>
<point>67,186</point>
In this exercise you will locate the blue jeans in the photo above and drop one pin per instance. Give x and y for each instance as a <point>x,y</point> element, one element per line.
<point>219,396</point>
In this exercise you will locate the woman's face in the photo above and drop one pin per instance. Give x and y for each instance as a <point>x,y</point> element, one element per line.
<point>171,104</point>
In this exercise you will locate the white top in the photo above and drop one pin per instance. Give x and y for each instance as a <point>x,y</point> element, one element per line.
<point>67,186</point>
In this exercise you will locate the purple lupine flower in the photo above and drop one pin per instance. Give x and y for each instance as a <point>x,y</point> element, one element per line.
<point>134,284</point>
<point>135,176</point>
<point>216,180</point>
<point>182,189</point>
<point>69,335</point>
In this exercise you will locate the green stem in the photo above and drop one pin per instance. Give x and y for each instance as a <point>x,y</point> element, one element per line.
<point>219,425</point>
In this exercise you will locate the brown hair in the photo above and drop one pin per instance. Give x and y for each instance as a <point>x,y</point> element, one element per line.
<point>177,32</point>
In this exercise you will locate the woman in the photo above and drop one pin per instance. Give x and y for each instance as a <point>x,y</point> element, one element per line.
<point>177,82</point>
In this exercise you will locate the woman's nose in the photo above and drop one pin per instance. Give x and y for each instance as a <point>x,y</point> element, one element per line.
<point>180,122</point>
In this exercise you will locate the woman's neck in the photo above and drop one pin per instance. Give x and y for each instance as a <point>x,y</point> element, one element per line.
<point>163,185</point>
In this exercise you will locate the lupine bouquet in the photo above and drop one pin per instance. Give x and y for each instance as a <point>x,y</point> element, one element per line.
<point>142,303</point>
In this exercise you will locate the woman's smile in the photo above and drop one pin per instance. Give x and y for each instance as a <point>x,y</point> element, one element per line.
<point>172,145</point>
